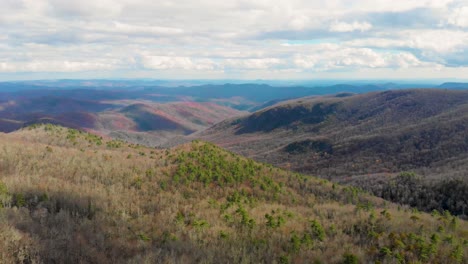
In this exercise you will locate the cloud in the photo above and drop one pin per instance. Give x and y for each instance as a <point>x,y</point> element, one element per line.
<point>459,17</point>
<point>394,5</point>
<point>349,27</point>
<point>338,57</point>
<point>129,29</point>
<point>440,41</point>
<point>176,62</point>
<point>300,22</point>
<point>54,66</point>
<point>264,63</point>
<point>404,60</point>
<point>439,46</point>
<point>85,8</point>
<point>237,38</point>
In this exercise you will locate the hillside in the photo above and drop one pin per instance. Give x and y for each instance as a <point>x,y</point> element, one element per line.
<point>139,121</point>
<point>352,138</point>
<point>188,116</point>
<point>73,197</point>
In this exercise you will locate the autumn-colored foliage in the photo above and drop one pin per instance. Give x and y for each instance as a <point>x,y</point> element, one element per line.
<point>73,197</point>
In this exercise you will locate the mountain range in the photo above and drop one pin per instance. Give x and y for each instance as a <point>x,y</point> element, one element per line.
<point>363,135</point>
<point>102,171</point>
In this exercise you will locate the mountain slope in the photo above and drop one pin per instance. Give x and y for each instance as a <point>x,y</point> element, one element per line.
<point>403,129</point>
<point>153,124</point>
<point>140,121</point>
<point>351,138</point>
<point>148,119</point>
<point>73,197</point>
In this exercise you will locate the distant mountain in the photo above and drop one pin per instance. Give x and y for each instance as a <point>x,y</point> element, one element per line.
<point>133,120</point>
<point>240,96</point>
<point>454,85</point>
<point>104,106</point>
<point>57,105</point>
<point>256,94</point>
<point>48,109</point>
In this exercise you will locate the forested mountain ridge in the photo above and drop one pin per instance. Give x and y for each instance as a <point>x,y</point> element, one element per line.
<point>361,139</point>
<point>402,129</point>
<point>70,196</point>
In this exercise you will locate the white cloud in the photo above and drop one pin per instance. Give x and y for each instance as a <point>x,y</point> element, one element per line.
<point>264,63</point>
<point>176,62</point>
<point>440,41</point>
<point>237,36</point>
<point>459,17</point>
<point>86,8</point>
<point>299,22</point>
<point>305,62</point>
<point>404,60</point>
<point>124,28</point>
<point>54,66</point>
<point>393,5</point>
<point>335,57</point>
<point>349,27</point>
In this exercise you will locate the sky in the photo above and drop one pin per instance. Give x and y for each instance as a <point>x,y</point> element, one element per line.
<point>234,39</point>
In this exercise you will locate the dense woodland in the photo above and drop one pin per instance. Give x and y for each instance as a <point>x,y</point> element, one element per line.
<point>73,197</point>
<point>411,189</point>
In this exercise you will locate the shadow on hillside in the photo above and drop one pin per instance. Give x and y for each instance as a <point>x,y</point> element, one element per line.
<point>71,229</point>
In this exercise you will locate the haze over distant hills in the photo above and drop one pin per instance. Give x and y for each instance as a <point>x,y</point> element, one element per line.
<point>146,112</point>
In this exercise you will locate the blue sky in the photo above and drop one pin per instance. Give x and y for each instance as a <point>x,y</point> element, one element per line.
<point>241,39</point>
